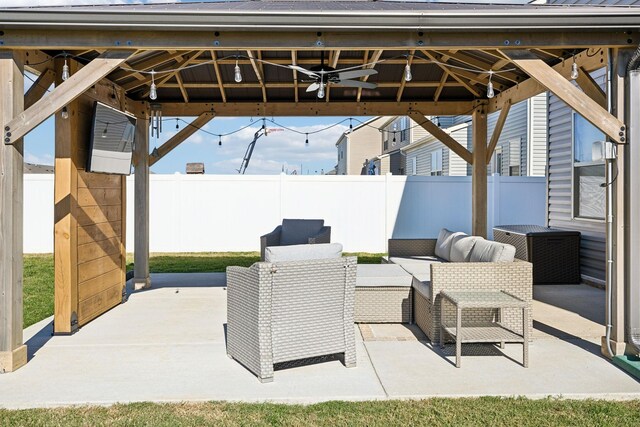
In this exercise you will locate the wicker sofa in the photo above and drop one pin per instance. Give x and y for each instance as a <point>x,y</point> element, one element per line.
<point>432,274</point>
<point>283,311</point>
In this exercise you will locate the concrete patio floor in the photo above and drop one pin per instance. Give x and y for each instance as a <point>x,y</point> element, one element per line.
<point>168,344</point>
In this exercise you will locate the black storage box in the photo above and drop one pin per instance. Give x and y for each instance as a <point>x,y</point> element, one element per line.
<point>555,254</point>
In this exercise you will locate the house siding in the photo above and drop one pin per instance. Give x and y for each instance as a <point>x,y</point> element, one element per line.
<point>452,164</point>
<point>560,187</point>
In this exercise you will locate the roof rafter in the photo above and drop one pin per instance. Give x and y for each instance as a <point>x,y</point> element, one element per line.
<point>403,82</point>
<point>374,58</point>
<point>444,68</point>
<point>259,73</point>
<point>216,69</point>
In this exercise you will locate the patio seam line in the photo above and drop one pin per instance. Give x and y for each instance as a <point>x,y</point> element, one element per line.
<point>373,365</point>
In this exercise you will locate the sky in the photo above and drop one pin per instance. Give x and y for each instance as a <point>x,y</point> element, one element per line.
<point>280,150</point>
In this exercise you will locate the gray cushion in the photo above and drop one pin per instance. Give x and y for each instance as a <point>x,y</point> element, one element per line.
<point>382,275</point>
<point>302,252</point>
<point>298,231</point>
<point>443,244</point>
<point>421,258</point>
<point>488,251</point>
<point>423,288</point>
<point>461,247</point>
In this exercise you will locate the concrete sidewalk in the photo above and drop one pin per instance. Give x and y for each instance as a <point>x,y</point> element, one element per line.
<point>168,344</point>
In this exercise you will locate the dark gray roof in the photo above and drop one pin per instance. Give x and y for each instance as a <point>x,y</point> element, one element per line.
<point>321,15</point>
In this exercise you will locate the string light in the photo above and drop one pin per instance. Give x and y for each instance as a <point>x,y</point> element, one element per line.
<point>307,139</point>
<point>237,73</point>
<point>64,113</point>
<point>407,71</point>
<point>220,140</point>
<point>177,125</point>
<point>490,92</point>
<point>394,137</point>
<point>65,70</point>
<point>350,124</point>
<point>574,69</point>
<point>153,90</point>
<point>105,131</point>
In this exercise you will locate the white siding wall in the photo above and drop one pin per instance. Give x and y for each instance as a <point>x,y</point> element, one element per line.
<point>537,147</point>
<point>452,164</point>
<point>560,182</point>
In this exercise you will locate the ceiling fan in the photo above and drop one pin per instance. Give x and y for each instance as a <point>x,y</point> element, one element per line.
<point>324,74</point>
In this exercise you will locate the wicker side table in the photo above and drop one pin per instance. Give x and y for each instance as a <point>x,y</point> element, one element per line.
<point>489,332</point>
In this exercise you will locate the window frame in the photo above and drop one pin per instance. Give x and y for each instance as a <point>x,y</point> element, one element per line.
<point>575,166</point>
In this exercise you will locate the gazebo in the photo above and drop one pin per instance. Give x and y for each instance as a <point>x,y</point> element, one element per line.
<point>183,60</point>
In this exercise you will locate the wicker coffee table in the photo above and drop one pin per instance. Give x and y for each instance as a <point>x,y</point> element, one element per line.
<point>489,332</point>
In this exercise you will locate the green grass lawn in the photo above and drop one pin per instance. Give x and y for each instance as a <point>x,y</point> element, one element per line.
<point>433,412</point>
<point>38,273</point>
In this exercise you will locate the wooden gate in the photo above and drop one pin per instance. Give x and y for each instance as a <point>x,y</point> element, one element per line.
<point>90,215</point>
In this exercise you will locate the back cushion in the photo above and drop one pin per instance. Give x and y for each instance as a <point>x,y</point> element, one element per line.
<point>443,244</point>
<point>302,252</point>
<point>461,247</point>
<point>488,251</point>
<point>298,231</point>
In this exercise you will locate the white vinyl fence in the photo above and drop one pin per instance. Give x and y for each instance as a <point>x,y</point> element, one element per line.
<point>195,213</point>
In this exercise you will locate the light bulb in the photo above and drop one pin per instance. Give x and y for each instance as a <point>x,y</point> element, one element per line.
<point>350,124</point>
<point>105,131</point>
<point>407,72</point>
<point>321,91</point>
<point>490,92</point>
<point>237,73</point>
<point>394,137</point>
<point>65,70</point>
<point>220,140</point>
<point>64,113</point>
<point>153,89</point>
<point>574,71</point>
<point>177,125</point>
<point>306,141</point>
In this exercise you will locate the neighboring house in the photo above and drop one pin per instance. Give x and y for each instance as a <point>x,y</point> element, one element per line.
<point>576,200</point>
<point>397,133</point>
<point>521,148</point>
<point>37,169</point>
<point>358,145</point>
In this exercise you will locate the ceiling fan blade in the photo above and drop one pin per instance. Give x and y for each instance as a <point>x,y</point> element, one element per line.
<point>356,83</point>
<point>356,74</point>
<point>313,87</point>
<point>304,71</point>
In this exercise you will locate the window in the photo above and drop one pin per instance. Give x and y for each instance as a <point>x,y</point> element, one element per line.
<point>404,129</point>
<point>514,170</point>
<point>588,170</point>
<point>436,162</point>
<point>414,165</point>
<point>498,168</point>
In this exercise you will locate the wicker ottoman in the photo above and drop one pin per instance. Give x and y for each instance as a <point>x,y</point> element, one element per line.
<point>383,294</point>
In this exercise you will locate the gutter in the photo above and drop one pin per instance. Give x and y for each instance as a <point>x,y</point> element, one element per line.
<point>490,18</point>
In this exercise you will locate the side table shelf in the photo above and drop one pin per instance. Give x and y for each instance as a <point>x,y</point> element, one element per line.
<point>488,332</point>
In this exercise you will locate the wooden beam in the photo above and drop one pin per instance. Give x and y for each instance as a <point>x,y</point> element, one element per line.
<point>69,90</point>
<point>476,63</point>
<point>295,74</point>
<point>183,91</point>
<point>13,352</point>
<point>403,82</point>
<point>349,109</point>
<point>531,87</point>
<point>141,276</point>
<point>187,60</point>
<point>39,88</point>
<point>145,66</point>
<point>216,69</point>
<point>495,136</point>
<point>571,95</point>
<point>233,40</point>
<point>479,173</point>
<point>259,74</point>
<point>591,88</point>
<point>181,136</point>
<point>442,136</point>
<point>184,60</point>
<point>444,68</point>
<point>441,85</point>
<point>374,57</point>
<point>287,85</point>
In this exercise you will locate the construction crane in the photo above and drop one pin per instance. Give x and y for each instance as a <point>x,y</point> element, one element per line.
<point>247,155</point>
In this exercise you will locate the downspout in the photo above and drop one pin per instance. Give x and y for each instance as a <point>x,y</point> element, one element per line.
<point>610,156</point>
<point>633,139</point>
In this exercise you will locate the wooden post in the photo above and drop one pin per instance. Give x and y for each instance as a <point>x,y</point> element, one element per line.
<point>479,173</point>
<point>65,209</point>
<point>141,278</point>
<point>13,352</point>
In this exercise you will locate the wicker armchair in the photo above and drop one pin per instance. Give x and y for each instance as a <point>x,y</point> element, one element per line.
<point>286,311</point>
<point>296,232</point>
<point>512,277</point>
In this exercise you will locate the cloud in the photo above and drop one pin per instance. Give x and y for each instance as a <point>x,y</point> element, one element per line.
<point>45,159</point>
<point>271,152</point>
